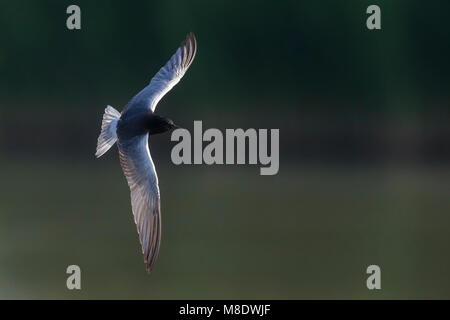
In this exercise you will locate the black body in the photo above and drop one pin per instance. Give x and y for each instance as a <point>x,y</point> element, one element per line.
<point>130,126</point>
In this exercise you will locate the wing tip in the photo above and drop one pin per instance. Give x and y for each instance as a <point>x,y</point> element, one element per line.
<point>190,44</point>
<point>150,263</point>
<point>189,37</point>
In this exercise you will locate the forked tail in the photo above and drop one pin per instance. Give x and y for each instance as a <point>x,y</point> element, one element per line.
<point>108,135</point>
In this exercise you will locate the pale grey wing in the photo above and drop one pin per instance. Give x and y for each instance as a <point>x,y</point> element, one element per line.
<point>138,167</point>
<point>167,77</point>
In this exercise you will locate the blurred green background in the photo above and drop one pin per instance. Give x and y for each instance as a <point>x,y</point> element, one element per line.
<point>364,150</point>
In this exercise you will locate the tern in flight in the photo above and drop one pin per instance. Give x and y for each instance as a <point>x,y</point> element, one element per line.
<point>131,129</point>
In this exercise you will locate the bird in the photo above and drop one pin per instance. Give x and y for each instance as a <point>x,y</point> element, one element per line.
<point>131,130</point>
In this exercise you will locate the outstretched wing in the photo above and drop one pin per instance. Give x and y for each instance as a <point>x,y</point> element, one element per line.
<point>167,77</point>
<point>138,167</point>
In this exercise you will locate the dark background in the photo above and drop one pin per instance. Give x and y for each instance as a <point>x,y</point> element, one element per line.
<point>364,149</point>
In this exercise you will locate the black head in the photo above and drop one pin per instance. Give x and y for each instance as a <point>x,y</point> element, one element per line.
<point>157,124</point>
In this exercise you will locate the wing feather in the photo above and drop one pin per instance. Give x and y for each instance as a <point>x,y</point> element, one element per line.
<point>139,170</point>
<point>167,77</point>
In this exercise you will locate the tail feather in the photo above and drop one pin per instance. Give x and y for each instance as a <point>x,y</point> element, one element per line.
<point>108,135</point>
